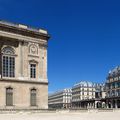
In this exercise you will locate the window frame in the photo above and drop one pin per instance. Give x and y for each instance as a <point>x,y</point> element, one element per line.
<point>8,69</point>
<point>9,96</point>
<point>33,70</point>
<point>8,62</point>
<point>33,97</point>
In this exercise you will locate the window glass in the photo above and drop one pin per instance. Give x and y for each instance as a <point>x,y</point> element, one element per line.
<point>8,62</point>
<point>32,70</point>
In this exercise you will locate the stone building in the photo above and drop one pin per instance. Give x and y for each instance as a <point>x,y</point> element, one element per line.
<point>113,88</point>
<point>60,99</point>
<point>81,92</point>
<point>23,67</point>
<point>87,95</point>
<point>100,91</point>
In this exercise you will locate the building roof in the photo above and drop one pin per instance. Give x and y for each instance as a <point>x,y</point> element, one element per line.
<point>114,71</point>
<point>85,84</point>
<point>23,29</point>
<point>66,90</point>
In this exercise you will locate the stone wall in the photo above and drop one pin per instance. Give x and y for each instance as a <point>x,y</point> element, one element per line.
<point>30,47</point>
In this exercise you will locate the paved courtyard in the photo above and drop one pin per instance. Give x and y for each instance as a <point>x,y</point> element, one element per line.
<point>62,116</point>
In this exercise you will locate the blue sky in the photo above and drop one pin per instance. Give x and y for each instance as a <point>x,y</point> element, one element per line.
<point>85,36</point>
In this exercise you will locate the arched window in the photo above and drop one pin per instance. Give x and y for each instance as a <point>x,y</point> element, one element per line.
<point>9,96</point>
<point>8,62</point>
<point>33,97</point>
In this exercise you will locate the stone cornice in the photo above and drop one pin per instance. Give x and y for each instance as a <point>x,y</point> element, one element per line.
<point>22,38</point>
<point>23,81</point>
<point>23,29</point>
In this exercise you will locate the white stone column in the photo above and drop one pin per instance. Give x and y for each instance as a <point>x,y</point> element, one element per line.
<point>20,60</point>
<point>95,104</point>
<point>111,103</point>
<point>87,105</point>
<point>116,106</point>
<point>91,105</point>
<point>107,106</point>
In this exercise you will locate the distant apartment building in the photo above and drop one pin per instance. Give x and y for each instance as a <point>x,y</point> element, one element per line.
<point>87,95</point>
<point>82,91</point>
<point>113,88</point>
<point>60,99</point>
<point>100,91</point>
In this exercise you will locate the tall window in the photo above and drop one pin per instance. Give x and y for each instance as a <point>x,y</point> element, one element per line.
<point>8,62</point>
<point>32,70</point>
<point>33,97</point>
<point>9,97</point>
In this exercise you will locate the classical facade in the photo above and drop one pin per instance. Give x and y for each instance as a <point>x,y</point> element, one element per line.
<point>23,67</point>
<point>60,99</point>
<point>113,88</point>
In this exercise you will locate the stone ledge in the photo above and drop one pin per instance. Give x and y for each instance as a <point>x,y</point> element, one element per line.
<point>27,110</point>
<point>24,81</point>
<point>22,37</point>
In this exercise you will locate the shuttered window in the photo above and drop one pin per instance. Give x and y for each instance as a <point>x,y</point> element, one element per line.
<point>9,97</point>
<point>33,97</point>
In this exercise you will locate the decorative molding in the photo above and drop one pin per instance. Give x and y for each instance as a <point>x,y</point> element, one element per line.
<point>33,49</point>
<point>8,50</point>
<point>24,81</point>
<point>22,37</point>
<point>35,56</point>
<point>33,61</point>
